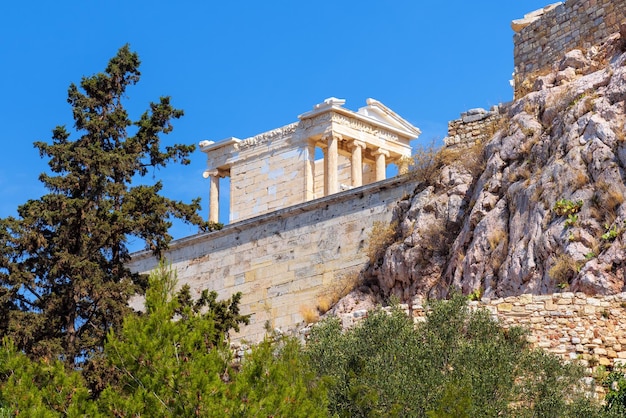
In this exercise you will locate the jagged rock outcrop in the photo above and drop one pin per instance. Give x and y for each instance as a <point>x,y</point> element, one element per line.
<point>537,208</point>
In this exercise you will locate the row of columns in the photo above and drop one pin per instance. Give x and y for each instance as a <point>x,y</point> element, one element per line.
<point>331,162</point>
<point>331,170</point>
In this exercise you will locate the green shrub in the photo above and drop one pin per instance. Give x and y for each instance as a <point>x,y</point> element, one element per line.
<point>457,363</point>
<point>565,207</point>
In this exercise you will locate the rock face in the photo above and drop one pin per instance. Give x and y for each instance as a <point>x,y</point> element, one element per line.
<point>537,208</point>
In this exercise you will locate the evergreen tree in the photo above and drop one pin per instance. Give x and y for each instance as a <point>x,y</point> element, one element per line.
<point>174,361</point>
<point>63,280</point>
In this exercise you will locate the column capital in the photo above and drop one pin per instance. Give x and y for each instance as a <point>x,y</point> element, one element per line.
<point>381,151</point>
<point>215,172</point>
<point>329,134</point>
<point>355,143</point>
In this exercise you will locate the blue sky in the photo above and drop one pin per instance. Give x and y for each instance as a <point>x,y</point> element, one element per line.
<point>240,68</point>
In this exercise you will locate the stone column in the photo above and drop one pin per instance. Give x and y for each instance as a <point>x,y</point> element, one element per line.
<point>325,174</point>
<point>331,162</point>
<point>214,193</point>
<point>381,165</point>
<point>309,172</point>
<point>356,163</point>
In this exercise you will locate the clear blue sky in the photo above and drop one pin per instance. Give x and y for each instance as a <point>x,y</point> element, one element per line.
<point>239,68</point>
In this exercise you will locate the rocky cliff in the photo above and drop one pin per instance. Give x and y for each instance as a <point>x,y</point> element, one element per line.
<point>536,208</point>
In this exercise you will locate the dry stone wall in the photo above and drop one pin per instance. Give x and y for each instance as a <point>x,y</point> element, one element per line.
<point>475,125</point>
<point>573,24</point>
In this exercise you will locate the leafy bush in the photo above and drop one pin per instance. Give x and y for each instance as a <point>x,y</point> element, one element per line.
<point>615,384</point>
<point>457,363</point>
<point>565,207</point>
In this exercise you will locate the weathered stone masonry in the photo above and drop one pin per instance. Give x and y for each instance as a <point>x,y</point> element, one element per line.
<point>475,125</point>
<point>281,261</point>
<point>544,38</point>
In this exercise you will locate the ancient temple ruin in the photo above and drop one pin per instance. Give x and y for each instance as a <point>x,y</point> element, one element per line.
<point>279,168</point>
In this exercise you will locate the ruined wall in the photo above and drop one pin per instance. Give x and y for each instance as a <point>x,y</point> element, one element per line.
<point>475,125</point>
<point>282,260</point>
<point>574,24</point>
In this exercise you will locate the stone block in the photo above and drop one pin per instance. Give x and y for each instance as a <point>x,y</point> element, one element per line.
<point>600,351</point>
<point>589,309</point>
<point>525,299</point>
<point>505,307</point>
<point>550,305</point>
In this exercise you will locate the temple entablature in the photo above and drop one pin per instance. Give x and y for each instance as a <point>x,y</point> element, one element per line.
<point>329,149</point>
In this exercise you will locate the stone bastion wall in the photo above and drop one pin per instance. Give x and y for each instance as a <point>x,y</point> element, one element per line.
<point>282,260</point>
<point>573,24</point>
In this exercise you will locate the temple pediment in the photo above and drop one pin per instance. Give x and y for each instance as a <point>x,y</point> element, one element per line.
<point>282,167</point>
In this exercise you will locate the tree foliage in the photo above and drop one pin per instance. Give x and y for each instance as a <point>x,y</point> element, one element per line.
<point>172,361</point>
<point>457,363</point>
<point>40,388</point>
<point>615,383</point>
<point>63,278</point>
<point>169,360</point>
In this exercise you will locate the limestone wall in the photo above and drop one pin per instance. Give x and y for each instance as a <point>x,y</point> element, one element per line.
<point>473,126</point>
<point>574,24</point>
<point>281,261</point>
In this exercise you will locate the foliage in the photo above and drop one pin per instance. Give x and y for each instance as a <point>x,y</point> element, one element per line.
<point>276,381</point>
<point>428,160</point>
<point>564,269</point>
<point>572,220</point>
<point>169,361</point>
<point>174,361</point>
<point>457,363</point>
<point>425,165</point>
<point>63,279</point>
<point>475,295</point>
<point>566,207</point>
<point>40,388</point>
<point>615,384</point>
<point>612,232</point>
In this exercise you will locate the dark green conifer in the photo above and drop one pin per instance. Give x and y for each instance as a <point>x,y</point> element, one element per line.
<point>63,280</point>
